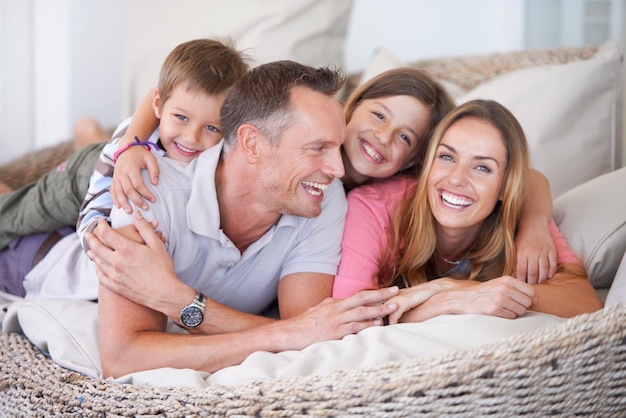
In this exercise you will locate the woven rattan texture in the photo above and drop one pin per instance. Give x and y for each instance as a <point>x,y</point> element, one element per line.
<point>578,368</point>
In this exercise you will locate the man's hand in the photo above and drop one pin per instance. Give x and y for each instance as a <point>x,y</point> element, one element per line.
<point>333,319</point>
<point>143,273</point>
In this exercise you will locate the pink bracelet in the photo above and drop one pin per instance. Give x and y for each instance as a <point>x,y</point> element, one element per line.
<point>146,144</point>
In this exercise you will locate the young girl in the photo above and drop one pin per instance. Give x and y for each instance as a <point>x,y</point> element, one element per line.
<point>459,221</point>
<point>390,120</point>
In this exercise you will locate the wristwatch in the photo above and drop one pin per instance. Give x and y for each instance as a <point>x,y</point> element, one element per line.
<point>192,315</point>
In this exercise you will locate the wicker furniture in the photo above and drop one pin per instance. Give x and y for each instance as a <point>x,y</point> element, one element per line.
<point>578,368</point>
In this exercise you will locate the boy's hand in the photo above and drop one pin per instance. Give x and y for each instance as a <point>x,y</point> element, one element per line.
<point>128,182</point>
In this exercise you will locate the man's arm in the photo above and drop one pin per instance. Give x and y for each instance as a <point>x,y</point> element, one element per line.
<point>144,273</point>
<point>132,337</point>
<point>301,291</point>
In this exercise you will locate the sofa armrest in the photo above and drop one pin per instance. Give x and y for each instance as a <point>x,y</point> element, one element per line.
<point>592,216</point>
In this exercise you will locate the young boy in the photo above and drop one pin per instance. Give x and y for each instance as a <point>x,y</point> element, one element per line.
<point>192,86</point>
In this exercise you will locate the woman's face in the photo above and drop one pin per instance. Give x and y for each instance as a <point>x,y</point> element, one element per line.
<point>383,136</point>
<point>467,174</point>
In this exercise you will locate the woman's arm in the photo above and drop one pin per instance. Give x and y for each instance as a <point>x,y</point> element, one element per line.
<point>566,294</point>
<point>132,337</point>
<point>536,253</point>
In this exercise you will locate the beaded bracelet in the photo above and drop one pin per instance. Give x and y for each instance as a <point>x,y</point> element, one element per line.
<point>146,144</point>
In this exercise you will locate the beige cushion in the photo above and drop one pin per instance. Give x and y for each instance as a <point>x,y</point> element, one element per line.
<point>570,114</point>
<point>592,217</point>
<point>68,331</point>
<point>617,292</point>
<point>384,60</point>
<point>312,32</point>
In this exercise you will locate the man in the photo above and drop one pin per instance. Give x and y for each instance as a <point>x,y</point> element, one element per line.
<point>263,219</point>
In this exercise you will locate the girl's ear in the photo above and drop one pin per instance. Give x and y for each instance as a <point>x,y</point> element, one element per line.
<point>247,139</point>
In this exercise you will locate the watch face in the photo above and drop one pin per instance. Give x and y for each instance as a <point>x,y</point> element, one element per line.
<point>191,316</point>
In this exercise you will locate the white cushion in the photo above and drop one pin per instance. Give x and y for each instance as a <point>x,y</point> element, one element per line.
<point>312,32</point>
<point>592,217</point>
<point>570,114</point>
<point>68,331</point>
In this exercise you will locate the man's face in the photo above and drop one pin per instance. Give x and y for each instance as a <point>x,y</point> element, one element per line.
<point>295,174</point>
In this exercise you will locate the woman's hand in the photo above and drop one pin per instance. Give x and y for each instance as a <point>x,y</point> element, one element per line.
<point>505,297</point>
<point>128,182</point>
<point>414,296</point>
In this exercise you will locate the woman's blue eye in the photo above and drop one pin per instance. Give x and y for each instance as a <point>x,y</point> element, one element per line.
<point>483,168</point>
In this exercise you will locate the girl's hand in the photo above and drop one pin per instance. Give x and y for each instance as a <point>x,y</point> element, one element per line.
<point>128,182</point>
<point>536,254</point>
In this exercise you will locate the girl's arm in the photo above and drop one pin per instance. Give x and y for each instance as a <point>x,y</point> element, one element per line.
<point>536,253</point>
<point>127,180</point>
<point>370,209</point>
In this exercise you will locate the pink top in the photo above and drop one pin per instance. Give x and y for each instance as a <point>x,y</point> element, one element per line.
<point>365,235</point>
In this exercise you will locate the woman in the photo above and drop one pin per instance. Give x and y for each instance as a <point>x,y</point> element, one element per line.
<point>460,222</point>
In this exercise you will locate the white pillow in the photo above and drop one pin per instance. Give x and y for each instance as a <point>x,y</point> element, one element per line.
<point>312,32</point>
<point>570,114</point>
<point>592,217</point>
<point>67,330</point>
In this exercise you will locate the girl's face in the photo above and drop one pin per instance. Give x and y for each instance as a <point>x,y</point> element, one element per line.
<point>189,122</point>
<point>467,174</point>
<point>383,137</point>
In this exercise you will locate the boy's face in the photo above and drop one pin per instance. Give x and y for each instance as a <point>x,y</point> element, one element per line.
<point>190,122</point>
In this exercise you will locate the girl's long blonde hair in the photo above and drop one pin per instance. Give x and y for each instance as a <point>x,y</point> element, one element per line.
<point>412,238</point>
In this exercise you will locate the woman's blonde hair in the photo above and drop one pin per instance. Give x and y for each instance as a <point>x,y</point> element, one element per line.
<point>412,238</point>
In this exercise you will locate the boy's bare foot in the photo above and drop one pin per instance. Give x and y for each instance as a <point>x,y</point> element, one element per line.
<point>4,188</point>
<point>88,131</point>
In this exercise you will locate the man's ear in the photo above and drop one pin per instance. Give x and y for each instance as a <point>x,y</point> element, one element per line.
<point>247,139</point>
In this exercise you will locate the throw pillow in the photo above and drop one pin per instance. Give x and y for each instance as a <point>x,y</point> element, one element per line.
<point>570,114</point>
<point>592,217</point>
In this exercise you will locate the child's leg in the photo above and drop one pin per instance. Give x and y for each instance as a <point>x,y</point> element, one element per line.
<point>88,131</point>
<point>22,255</point>
<point>5,188</point>
<point>50,203</point>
